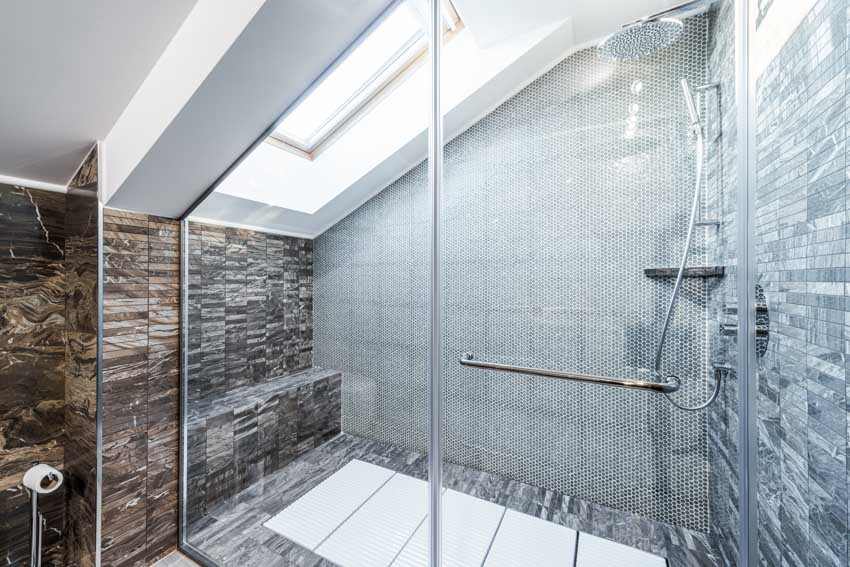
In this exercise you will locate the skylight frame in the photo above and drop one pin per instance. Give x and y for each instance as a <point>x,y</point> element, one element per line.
<point>413,53</point>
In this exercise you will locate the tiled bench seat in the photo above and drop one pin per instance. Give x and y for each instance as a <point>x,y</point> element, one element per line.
<point>253,431</point>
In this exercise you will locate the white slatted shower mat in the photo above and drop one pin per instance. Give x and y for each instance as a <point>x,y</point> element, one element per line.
<point>470,524</point>
<point>310,520</point>
<point>526,540</point>
<point>368,516</point>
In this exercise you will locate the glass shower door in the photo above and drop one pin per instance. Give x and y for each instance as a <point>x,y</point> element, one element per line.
<point>565,214</point>
<point>305,308</point>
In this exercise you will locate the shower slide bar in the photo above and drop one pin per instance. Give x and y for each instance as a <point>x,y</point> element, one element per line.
<point>669,387</point>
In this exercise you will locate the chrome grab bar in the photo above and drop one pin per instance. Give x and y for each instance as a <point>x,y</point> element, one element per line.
<point>669,387</point>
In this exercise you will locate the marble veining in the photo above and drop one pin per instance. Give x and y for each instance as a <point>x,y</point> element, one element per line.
<point>41,223</point>
<point>81,286</point>
<point>250,308</point>
<point>48,365</point>
<point>255,403</point>
<point>32,363</point>
<point>140,386</point>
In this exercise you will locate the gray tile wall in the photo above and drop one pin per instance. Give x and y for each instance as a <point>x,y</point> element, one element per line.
<point>236,440</point>
<point>370,312</point>
<point>250,308</point>
<point>554,205</point>
<point>801,246</point>
<point>254,403</point>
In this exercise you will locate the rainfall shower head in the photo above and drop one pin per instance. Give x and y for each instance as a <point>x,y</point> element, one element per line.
<point>640,39</point>
<point>645,36</point>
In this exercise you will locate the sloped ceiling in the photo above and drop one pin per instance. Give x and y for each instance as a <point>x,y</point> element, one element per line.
<point>282,50</point>
<point>68,70</point>
<point>505,45</point>
<point>74,73</point>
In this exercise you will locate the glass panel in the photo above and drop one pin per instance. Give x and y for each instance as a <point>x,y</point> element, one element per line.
<point>307,338</point>
<point>798,74</point>
<point>566,216</point>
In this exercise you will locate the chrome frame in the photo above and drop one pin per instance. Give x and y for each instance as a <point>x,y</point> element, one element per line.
<point>98,534</point>
<point>747,277</point>
<point>685,9</point>
<point>184,383</point>
<point>435,357</point>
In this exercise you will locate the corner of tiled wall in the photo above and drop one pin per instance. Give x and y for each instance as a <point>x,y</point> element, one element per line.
<point>141,308</point>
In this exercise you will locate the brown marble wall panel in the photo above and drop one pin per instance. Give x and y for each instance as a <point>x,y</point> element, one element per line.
<point>125,375</point>
<point>196,497</point>
<point>213,312</point>
<point>163,384</point>
<point>32,363</point>
<point>140,387</point>
<point>81,220</point>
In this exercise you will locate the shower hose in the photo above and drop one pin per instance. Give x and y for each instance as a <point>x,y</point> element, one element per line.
<point>696,129</point>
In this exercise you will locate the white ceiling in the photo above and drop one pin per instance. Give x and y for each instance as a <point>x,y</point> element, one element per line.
<point>68,69</point>
<point>77,72</point>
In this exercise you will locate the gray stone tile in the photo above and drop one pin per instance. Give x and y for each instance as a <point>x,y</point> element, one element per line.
<point>235,535</point>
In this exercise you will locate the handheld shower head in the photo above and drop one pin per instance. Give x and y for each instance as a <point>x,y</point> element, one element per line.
<point>689,101</point>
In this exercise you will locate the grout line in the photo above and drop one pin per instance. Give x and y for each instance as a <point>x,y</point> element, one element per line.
<point>495,534</point>
<point>333,531</point>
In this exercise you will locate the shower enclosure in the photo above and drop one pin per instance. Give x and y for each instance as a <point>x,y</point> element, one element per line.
<point>566,218</point>
<point>521,350</point>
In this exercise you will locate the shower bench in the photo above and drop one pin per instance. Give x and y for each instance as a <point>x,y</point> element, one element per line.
<point>235,440</point>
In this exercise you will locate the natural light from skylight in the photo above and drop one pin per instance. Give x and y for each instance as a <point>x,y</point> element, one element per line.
<point>386,49</point>
<point>385,53</point>
<point>277,188</point>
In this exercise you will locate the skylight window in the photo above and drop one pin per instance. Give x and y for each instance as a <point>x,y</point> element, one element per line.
<point>382,55</point>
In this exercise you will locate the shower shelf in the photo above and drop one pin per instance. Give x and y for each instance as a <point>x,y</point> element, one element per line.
<point>692,272</point>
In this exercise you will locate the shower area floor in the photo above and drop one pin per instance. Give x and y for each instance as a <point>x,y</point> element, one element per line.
<point>498,515</point>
